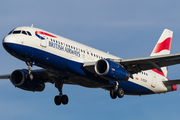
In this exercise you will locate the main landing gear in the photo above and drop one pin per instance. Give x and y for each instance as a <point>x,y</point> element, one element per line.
<point>116,92</point>
<point>60,98</point>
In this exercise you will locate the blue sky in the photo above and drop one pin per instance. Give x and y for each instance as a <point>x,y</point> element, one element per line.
<point>127,29</point>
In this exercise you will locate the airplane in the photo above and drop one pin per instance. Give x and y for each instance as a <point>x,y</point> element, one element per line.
<point>64,61</point>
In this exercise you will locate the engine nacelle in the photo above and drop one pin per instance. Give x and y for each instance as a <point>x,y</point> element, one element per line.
<point>111,70</point>
<point>20,79</point>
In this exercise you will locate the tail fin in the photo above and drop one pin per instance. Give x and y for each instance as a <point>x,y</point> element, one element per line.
<point>163,46</point>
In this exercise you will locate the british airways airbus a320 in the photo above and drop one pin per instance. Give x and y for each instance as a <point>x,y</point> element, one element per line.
<point>64,61</point>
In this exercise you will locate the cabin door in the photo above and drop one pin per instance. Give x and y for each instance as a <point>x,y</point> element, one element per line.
<point>44,41</point>
<point>154,79</point>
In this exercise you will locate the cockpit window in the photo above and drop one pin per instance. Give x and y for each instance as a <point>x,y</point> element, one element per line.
<point>24,32</point>
<point>29,33</point>
<point>20,32</point>
<point>17,32</point>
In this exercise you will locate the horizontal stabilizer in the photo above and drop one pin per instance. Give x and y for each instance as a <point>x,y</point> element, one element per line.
<point>172,82</point>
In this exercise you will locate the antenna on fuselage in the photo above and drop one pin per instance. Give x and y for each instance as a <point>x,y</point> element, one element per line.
<point>32,25</point>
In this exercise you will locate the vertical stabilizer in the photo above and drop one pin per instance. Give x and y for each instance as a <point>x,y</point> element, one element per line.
<point>163,46</point>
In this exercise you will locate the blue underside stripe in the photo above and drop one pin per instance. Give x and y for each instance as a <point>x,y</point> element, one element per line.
<point>48,60</point>
<point>134,89</point>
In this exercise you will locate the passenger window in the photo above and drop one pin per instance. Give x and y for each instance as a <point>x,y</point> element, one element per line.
<point>17,32</point>
<point>23,32</point>
<point>29,33</point>
<point>83,51</point>
<point>72,47</point>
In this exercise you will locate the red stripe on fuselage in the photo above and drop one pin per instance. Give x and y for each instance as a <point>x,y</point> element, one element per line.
<point>157,71</point>
<point>43,33</point>
<point>165,45</point>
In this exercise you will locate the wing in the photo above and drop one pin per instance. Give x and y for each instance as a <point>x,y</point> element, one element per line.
<point>146,63</point>
<point>51,76</point>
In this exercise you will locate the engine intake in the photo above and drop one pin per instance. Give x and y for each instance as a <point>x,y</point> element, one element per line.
<point>20,79</point>
<point>111,70</point>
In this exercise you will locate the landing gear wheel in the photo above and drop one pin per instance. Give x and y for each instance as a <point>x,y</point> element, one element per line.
<point>57,100</point>
<point>120,92</point>
<point>113,94</point>
<point>30,76</point>
<point>64,99</point>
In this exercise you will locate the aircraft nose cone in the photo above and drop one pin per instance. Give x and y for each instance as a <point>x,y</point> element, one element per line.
<point>9,39</point>
<point>7,42</point>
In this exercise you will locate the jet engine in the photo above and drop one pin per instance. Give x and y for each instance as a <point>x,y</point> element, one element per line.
<point>21,79</point>
<point>111,70</point>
